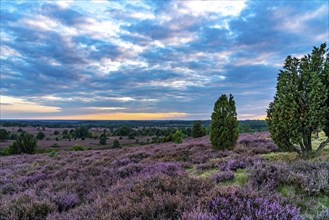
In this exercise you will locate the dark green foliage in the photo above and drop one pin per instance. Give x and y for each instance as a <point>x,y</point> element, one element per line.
<point>40,135</point>
<point>65,132</point>
<point>77,148</point>
<point>251,126</point>
<point>178,137</point>
<point>81,132</point>
<point>4,134</point>
<point>13,136</point>
<point>56,132</point>
<point>102,139</point>
<point>116,144</point>
<point>198,130</point>
<point>55,145</point>
<point>224,124</point>
<point>300,104</point>
<point>53,154</point>
<point>123,131</point>
<point>26,143</point>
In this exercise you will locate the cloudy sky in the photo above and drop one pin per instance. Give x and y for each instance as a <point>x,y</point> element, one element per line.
<point>149,59</point>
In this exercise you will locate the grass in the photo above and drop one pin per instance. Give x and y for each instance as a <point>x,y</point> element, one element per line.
<point>280,156</point>
<point>192,171</point>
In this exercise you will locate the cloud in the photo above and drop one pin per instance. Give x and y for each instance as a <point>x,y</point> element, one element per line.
<point>87,57</point>
<point>18,105</point>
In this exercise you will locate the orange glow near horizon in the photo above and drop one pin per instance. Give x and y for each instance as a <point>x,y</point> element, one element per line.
<point>121,116</point>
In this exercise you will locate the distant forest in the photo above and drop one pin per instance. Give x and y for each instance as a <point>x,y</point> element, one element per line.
<point>245,126</point>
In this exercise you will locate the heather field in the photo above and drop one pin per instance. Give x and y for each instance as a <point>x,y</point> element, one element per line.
<point>167,181</point>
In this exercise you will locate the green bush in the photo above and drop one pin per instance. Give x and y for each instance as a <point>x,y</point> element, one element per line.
<point>53,154</point>
<point>40,135</point>
<point>198,130</point>
<point>116,144</point>
<point>4,134</point>
<point>77,148</point>
<point>178,137</point>
<point>55,145</point>
<point>102,140</point>
<point>26,143</point>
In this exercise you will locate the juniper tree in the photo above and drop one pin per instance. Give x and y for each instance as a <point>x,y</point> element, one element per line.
<point>198,130</point>
<point>300,104</point>
<point>224,124</point>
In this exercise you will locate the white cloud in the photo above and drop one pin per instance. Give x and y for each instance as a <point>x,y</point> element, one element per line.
<point>201,8</point>
<point>18,105</point>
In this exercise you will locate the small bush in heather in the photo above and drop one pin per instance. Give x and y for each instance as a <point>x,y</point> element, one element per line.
<point>239,162</point>
<point>55,145</point>
<point>313,177</point>
<point>26,143</point>
<point>116,144</point>
<point>178,137</point>
<point>265,176</point>
<point>40,135</point>
<point>65,201</point>
<point>198,130</point>
<point>102,140</point>
<point>223,176</point>
<point>77,148</point>
<point>53,154</point>
<point>4,134</point>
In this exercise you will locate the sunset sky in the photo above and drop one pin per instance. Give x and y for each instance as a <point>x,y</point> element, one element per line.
<point>149,59</point>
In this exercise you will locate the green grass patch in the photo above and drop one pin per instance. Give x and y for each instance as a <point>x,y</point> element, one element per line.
<point>240,177</point>
<point>201,173</point>
<point>280,156</point>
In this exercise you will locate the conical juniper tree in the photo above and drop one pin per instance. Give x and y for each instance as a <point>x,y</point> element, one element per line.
<point>198,130</point>
<point>301,102</point>
<point>224,124</point>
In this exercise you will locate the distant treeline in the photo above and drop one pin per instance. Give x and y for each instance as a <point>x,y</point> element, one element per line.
<point>246,126</point>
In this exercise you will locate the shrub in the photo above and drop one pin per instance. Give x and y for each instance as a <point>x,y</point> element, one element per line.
<point>265,176</point>
<point>198,130</point>
<point>238,162</point>
<point>4,134</point>
<point>313,177</point>
<point>40,135</point>
<point>53,154</point>
<point>178,137</point>
<point>77,148</point>
<point>116,144</point>
<point>55,145</point>
<point>102,140</point>
<point>5,151</point>
<point>224,124</point>
<point>26,143</point>
<point>223,176</point>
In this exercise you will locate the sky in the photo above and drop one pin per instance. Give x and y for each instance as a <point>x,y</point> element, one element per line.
<point>147,60</point>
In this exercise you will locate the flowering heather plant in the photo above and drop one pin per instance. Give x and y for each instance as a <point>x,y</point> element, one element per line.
<point>238,162</point>
<point>323,215</point>
<point>233,203</point>
<point>223,176</point>
<point>265,176</point>
<point>257,143</point>
<point>313,177</point>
